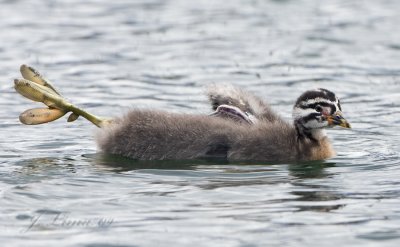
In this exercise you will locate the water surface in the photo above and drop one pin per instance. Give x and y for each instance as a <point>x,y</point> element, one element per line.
<point>109,56</point>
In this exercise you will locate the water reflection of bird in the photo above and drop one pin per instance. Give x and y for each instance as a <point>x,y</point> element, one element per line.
<point>242,126</point>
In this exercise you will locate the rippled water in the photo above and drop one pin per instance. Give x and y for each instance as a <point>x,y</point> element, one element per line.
<point>107,56</point>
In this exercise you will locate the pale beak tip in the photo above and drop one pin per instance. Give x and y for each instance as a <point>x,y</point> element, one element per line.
<point>345,124</point>
<point>338,120</point>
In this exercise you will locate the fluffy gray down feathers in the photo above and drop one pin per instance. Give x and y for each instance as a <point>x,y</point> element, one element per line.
<point>158,135</point>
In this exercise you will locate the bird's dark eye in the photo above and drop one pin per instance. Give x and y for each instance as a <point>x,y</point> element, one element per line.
<point>318,108</point>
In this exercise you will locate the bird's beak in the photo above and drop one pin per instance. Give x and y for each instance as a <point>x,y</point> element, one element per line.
<point>337,120</point>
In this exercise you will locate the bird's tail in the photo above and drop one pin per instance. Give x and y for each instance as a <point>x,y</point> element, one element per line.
<point>37,88</point>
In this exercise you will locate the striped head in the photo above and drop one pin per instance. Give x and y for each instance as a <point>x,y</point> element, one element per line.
<point>317,109</point>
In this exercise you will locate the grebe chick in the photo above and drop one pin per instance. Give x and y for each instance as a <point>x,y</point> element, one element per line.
<point>245,128</point>
<point>242,126</point>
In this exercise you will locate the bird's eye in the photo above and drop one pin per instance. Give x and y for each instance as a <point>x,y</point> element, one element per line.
<point>318,108</point>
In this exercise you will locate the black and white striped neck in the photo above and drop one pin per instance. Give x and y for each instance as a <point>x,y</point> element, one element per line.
<point>308,135</point>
